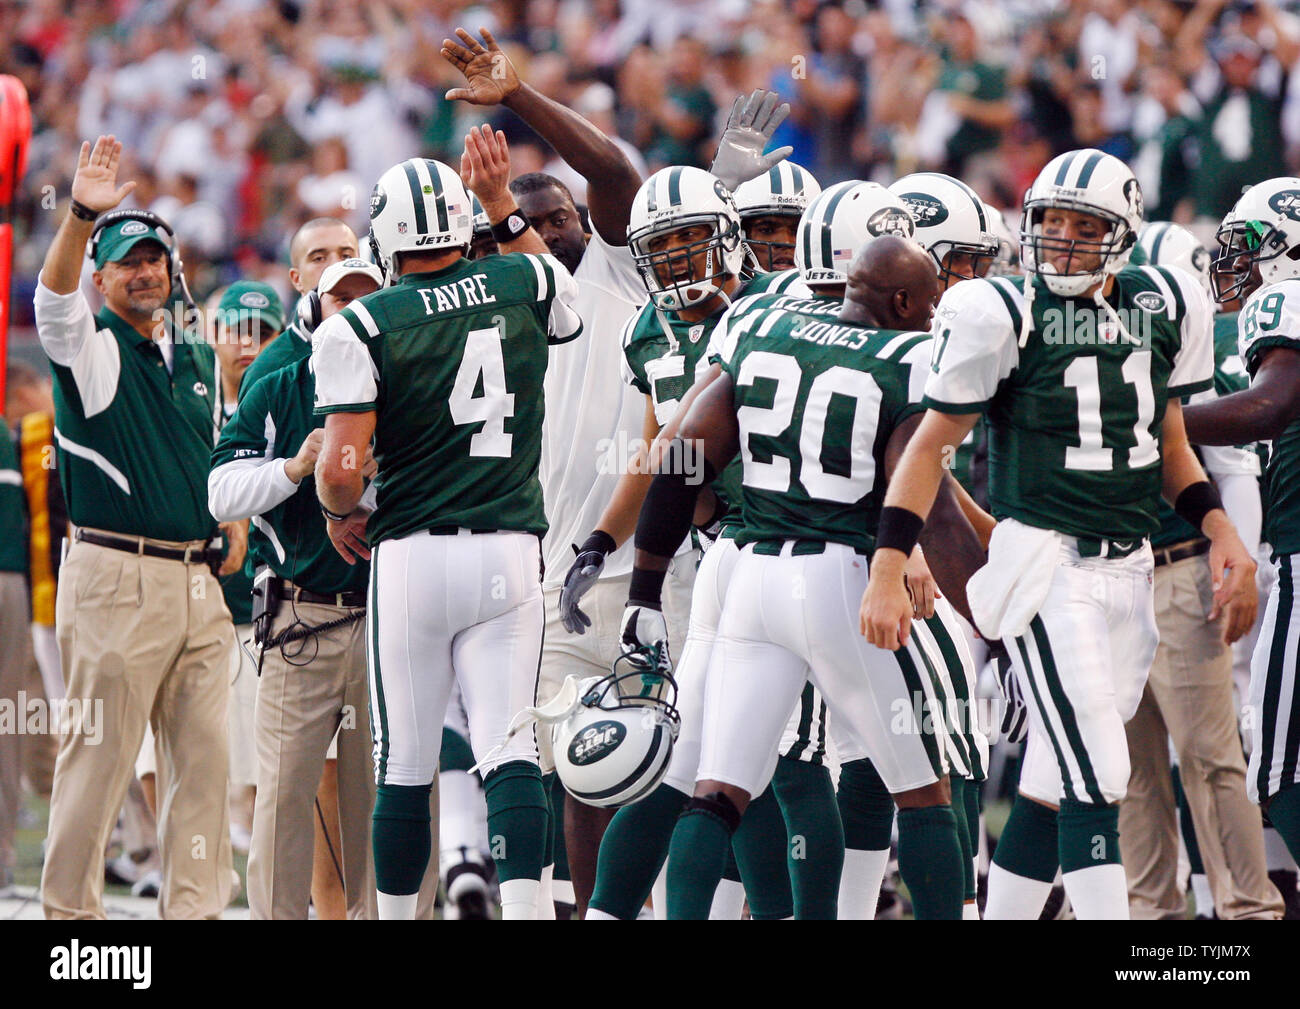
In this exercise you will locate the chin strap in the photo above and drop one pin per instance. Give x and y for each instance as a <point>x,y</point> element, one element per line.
<point>557,709</point>
<point>1105,305</point>
<point>1027,316</point>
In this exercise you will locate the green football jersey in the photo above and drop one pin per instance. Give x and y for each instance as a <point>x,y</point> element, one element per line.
<point>816,401</point>
<point>1271,318</point>
<point>452,363</point>
<point>1074,414</point>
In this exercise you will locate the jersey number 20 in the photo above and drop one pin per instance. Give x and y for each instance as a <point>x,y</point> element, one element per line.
<point>491,408</point>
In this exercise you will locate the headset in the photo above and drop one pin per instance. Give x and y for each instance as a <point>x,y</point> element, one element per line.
<point>157,223</point>
<point>309,311</point>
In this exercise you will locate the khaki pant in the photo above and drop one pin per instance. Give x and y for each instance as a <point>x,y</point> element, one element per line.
<point>307,690</point>
<point>1188,697</point>
<point>141,639</point>
<point>15,656</point>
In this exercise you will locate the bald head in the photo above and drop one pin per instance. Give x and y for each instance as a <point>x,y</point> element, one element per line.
<point>892,285</point>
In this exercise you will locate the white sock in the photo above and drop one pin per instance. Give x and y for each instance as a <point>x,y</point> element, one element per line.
<point>1098,893</point>
<point>519,899</point>
<point>397,906</point>
<point>596,914</point>
<point>728,901</point>
<point>970,912</point>
<point>860,882</point>
<point>1014,898</point>
<point>659,894</point>
<point>545,898</point>
<point>1276,854</point>
<point>1201,894</point>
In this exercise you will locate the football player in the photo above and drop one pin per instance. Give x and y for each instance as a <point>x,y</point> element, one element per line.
<point>770,207</point>
<point>952,225</point>
<point>1079,367</point>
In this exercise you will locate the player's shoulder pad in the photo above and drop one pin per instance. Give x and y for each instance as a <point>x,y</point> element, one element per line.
<point>1171,291</point>
<point>988,302</point>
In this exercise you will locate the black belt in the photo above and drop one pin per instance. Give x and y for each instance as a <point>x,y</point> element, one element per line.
<point>137,545</point>
<point>1181,551</point>
<point>351,600</point>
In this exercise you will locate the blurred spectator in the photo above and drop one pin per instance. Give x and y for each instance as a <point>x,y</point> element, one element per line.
<point>971,97</point>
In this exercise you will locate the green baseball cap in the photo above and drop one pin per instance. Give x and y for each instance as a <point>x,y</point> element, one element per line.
<point>251,299</point>
<point>120,238</point>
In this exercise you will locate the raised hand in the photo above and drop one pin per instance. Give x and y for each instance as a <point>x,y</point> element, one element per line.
<point>485,166</point>
<point>95,183</point>
<point>750,126</point>
<point>490,77</point>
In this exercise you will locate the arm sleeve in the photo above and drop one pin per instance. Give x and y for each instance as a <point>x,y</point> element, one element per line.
<point>66,329</point>
<point>1194,362</point>
<point>246,478</point>
<point>558,292</point>
<point>347,380</point>
<point>974,348</point>
<point>1241,501</point>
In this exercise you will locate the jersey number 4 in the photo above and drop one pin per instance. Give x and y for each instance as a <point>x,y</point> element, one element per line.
<point>775,420</point>
<point>1084,376</point>
<point>491,408</point>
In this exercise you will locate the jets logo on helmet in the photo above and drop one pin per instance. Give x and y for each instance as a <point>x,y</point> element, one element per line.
<point>842,220</point>
<point>613,745</point>
<point>952,224</point>
<point>672,200</point>
<point>1259,240</point>
<point>419,204</point>
<point>1166,244</point>
<point>784,190</point>
<point>1087,182</point>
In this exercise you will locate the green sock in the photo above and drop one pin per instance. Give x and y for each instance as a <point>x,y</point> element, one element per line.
<point>633,851</point>
<point>866,807</point>
<point>1029,844</point>
<point>974,790</point>
<point>456,754</point>
<point>1284,813</point>
<point>555,797</point>
<point>548,836</point>
<point>1088,834</point>
<point>963,835</point>
<point>399,831</point>
<point>759,847</point>
<point>516,819</point>
<point>929,860</point>
<point>695,861</point>
<point>816,837</point>
<point>730,870</point>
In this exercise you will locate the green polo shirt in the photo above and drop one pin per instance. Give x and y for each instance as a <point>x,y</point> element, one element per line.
<point>13,517</point>
<point>288,348</point>
<point>273,417</point>
<point>138,463</point>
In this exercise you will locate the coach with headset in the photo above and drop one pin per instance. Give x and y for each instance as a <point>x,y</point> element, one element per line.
<point>143,631</point>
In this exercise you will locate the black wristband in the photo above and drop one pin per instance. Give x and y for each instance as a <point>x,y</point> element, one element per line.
<point>600,541</point>
<point>82,212</point>
<point>646,588</point>
<point>510,227</point>
<point>1196,501</point>
<point>898,529</point>
<point>335,516</point>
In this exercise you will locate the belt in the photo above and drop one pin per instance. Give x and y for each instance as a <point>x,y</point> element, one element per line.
<point>138,545</point>
<point>801,548</point>
<point>1181,551</point>
<point>1110,549</point>
<point>350,600</point>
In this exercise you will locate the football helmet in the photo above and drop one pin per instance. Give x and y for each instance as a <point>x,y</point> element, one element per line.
<point>950,218</point>
<point>679,197</point>
<point>419,205</point>
<point>482,226</point>
<point>1166,244</point>
<point>614,745</point>
<point>1007,262</point>
<point>785,189</point>
<point>842,220</point>
<point>1090,182</point>
<point>1261,230</point>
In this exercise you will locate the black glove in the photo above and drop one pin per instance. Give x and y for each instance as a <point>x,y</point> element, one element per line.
<point>582,575</point>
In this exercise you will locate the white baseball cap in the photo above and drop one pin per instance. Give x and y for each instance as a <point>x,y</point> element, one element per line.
<point>345,267</point>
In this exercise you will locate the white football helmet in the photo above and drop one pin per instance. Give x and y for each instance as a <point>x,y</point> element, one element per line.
<point>842,220</point>
<point>1007,262</point>
<point>482,226</point>
<point>1090,182</point>
<point>614,746</point>
<point>679,197</point>
<point>1262,230</point>
<point>419,205</point>
<point>1166,244</point>
<point>950,218</point>
<point>784,190</point>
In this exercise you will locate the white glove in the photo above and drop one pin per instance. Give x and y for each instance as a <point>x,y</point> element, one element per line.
<point>750,126</point>
<point>643,627</point>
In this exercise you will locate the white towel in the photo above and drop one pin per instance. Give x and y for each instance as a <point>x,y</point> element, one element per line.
<point>1007,592</point>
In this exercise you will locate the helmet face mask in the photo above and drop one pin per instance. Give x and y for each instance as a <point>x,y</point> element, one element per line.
<point>771,204</point>
<point>770,239</point>
<point>1070,266</point>
<point>615,745</point>
<point>953,257</point>
<point>1245,248</point>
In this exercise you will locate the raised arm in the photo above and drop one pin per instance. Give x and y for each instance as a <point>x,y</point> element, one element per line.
<point>95,187</point>
<point>491,79</point>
